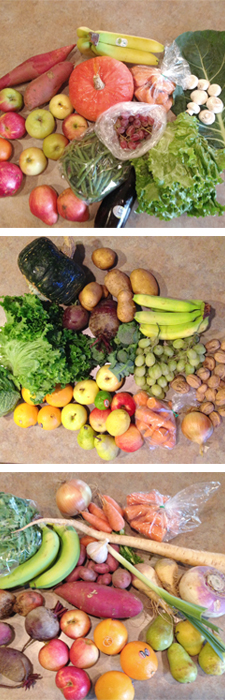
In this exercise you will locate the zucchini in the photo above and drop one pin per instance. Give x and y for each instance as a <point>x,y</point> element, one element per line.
<point>51,272</point>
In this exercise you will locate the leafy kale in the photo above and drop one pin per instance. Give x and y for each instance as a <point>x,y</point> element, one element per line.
<point>9,394</point>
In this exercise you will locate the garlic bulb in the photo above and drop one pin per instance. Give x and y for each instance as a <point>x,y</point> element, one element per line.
<point>199,96</point>
<point>193,107</point>
<point>98,551</point>
<point>191,82</point>
<point>203,84</point>
<point>214,90</point>
<point>207,117</point>
<point>214,104</point>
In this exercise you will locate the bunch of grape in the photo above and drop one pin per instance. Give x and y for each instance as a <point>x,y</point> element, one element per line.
<point>132,130</point>
<point>157,362</point>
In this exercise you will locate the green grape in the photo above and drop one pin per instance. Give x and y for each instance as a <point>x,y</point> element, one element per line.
<point>162,382</point>
<point>169,377</point>
<point>139,351</point>
<point>157,391</point>
<point>150,359</point>
<point>191,354</point>
<point>139,372</point>
<point>164,367</point>
<point>189,369</point>
<point>178,344</point>
<point>163,357</point>
<point>140,381</point>
<point>172,365</point>
<point>201,359</point>
<point>199,348</point>
<point>155,372</point>
<point>139,360</point>
<point>168,351</point>
<point>144,343</point>
<point>194,362</point>
<point>150,381</point>
<point>158,350</point>
<point>180,365</point>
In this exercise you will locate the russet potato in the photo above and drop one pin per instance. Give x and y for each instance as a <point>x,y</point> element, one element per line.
<point>143,282</point>
<point>90,295</point>
<point>116,281</point>
<point>103,258</point>
<point>126,307</point>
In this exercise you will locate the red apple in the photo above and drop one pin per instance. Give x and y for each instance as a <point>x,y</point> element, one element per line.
<point>71,207</point>
<point>43,204</point>
<point>83,653</point>
<point>97,419</point>
<point>54,655</point>
<point>10,100</point>
<point>11,177</point>
<point>73,126</point>
<point>74,682</point>
<point>130,441</point>
<point>12,126</point>
<point>75,623</point>
<point>124,400</point>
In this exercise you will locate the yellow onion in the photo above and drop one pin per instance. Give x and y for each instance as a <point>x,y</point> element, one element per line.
<point>73,496</point>
<point>197,427</point>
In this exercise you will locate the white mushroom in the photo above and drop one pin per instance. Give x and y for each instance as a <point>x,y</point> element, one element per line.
<point>199,96</point>
<point>214,90</point>
<point>190,112</point>
<point>214,104</point>
<point>193,107</point>
<point>207,117</point>
<point>191,82</point>
<point>203,84</point>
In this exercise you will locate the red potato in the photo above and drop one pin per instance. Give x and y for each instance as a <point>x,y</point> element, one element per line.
<point>100,601</point>
<point>45,86</point>
<point>104,579</point>
<point>34,66</point>
<point>101,568</point>
<point>121,578</point>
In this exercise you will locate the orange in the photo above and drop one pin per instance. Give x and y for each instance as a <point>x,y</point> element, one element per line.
<point>49,417</point>
<point>25,415</point>
<point>60,397</point>
<point>114,685</point>
<point>5,149</point>
<point>110,636</point>
<point>27,396</point>
<point>138,660</point>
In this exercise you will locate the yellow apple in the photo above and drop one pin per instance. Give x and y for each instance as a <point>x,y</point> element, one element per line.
<point>32,161</point>
<point>86,391</point>
<point>106,380</point>
<point>60,106</point>
<point>73,416</point>
<point>117,422</point>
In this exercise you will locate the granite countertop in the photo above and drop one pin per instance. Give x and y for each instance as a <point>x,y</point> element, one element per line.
<point>30,27</point>
<point>209,535</point>
<point>188,267</point>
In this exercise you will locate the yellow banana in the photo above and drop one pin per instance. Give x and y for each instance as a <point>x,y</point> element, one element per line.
<point>84,47</point>
<point>125,54</point>
<point>166,318</point>
<point>67,559</point>
<point>40,561</point>
<point>178,305</point>
<point>184,330</point>
<point>124,40</point>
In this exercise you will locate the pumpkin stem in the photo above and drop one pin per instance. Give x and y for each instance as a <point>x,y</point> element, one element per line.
<point>98,82</point>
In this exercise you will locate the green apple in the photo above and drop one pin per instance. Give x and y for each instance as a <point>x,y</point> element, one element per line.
<point>106,447</point>
<point>32,161</point>
<point>106,380</point>
<point>53,145</point>
<point>60,106</point>
<point>40,123</point>
<point>86,391</point>
<point>86,437</point>
<point>117,422</point>
<point>73,416</point>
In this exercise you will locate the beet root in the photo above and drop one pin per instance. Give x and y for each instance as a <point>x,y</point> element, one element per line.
<point>17,667</point>
<point>103,322</point>
<point>42,624</point>
<point>7,601</point>
<point>27,601</point>
<point>6,633</point>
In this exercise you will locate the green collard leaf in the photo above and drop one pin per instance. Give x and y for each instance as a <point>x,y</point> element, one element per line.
<point>205,53</point>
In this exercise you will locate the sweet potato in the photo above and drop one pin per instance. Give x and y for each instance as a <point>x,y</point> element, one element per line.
<point>100,601</point>
<point>34,66</point>
<point>43,88</point>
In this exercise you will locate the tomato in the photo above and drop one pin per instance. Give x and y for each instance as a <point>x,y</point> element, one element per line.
<point>60,397</point>
<point>27,396</point>
<point>49,417</point>
<point>114,685</point>
<point>138,660</point>
<point>97,84</point>
<point>5,149</point>
<point>110,636</point>
<point>25,416</point>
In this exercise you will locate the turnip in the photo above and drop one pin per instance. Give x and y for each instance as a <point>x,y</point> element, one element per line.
<point>17,667</point>
<point>204,585</point>
<point>168,573</point>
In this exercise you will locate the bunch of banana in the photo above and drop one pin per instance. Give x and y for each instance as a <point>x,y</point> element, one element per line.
<point>123,47</point>
<point>175,318</point>
<point>56,558</point>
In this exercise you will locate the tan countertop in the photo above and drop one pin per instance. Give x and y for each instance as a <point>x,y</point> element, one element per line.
<point>208,535</point>
<point>186,267</point>
<point>30,27</point>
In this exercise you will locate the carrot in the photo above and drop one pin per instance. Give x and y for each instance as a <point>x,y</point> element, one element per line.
<point>155,532</point>
<point>95,510</point>
<point>45,86</point>
<point>115,519</point>
<point>34,66</point>
<point>113,503</point>
<point>99,523</point>
<point>146,498</point>
<point>154,403</point>
<point>136,511</point>
<point>159,436</point>
<point>141,426</point>
<point>140,398</point>
<point>86,539</point>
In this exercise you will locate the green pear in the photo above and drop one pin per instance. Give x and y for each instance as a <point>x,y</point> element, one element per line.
<point>106,447</point>
<point>86,436</point>
<point>189,637</point>
<point>182,668</point>
<point>210,662</point>
<point>160,632</point>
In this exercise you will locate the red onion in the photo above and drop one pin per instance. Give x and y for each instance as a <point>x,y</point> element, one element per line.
<point>204,585</point>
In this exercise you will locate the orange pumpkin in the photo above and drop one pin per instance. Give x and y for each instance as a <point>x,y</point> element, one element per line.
<point>99,83</point>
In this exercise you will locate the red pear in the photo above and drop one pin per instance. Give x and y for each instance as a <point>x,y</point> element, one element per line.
<point>43,204</point>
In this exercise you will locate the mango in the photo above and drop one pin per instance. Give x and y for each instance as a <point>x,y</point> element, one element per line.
<point>189,637</point>
<point>182,668</point>
<point>210,662</point>
<point>160,632</point>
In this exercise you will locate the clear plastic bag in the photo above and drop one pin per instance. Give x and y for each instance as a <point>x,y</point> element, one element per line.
<point>162,518</point>
<point>180,401</point>
<point>174,66</point>
<point>156,423</point>
<point>15,548</point>
<point>156,85</point>
<point>106,128</point>
<point>90,168</point>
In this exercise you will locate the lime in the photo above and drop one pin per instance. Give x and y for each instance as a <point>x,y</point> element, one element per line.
<point>103,400</point>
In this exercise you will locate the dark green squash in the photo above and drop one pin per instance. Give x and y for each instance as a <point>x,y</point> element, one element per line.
<point>55,276</point>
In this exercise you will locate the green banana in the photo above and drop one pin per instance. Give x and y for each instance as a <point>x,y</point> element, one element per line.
<point>166,318</point>
<point>125,54</point>
<point>40,561</point>
<point>68,557</point>
<point>177,305</point>
<point>124,40</point>
<point>183,330</point>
